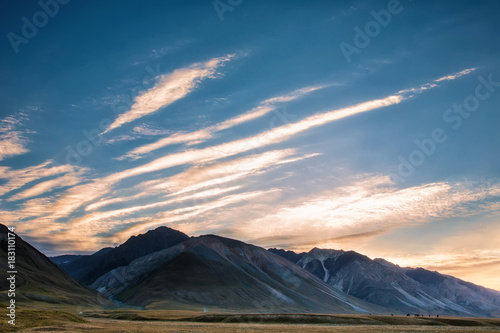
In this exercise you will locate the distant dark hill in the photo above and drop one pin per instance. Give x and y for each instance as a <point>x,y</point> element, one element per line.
<point>65,259</point>
<point>88,268</point>
<point>40,280</point>
<point>221,273</point>
<point>403,290</point>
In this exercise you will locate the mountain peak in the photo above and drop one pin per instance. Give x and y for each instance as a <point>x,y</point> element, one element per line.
<point>322,254</point>
<point>88,268</point>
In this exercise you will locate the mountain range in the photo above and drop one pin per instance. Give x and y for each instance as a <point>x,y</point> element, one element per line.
<point>412,290</point>
<point>166,269</point>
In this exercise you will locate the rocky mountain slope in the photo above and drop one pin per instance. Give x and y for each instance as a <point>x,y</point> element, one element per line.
<point>220,273</point>
<point>475,298</point>
<point>404,290</point>
<point>87,269</point>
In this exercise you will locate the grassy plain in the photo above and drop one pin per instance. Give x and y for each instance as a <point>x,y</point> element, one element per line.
<point>28,320</point>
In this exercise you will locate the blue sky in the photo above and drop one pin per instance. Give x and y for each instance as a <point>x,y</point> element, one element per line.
<point>361,125</point>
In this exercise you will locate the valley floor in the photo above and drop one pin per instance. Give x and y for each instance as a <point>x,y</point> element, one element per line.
<point>109,326</point>
<point>187,321</point>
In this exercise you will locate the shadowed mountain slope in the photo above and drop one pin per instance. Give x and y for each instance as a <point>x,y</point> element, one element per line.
<point>40,280</point>
<point>88,268</point>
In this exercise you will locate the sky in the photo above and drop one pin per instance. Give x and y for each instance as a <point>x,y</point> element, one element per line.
<point>365,125</point>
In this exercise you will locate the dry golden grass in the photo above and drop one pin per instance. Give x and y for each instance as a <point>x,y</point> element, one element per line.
<point>150,321</point>
<point>116,326</point>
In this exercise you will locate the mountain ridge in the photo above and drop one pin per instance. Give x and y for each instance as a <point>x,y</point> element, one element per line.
<point>411,290</point>
<point>87,269</point>
<point>213,271</point>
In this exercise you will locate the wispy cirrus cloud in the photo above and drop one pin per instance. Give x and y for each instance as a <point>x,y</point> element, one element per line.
<point>272,136</point>
<point>99,216</point>
<point>12,141</point>
<point>191,138</point>
<point>214,176</point>
<point>373,204</point>
<point>296,94</point>
<point>17,178</point>
<point>456,75</point>
<point>201,183</point>
<point>148,131</point>
<point>221,173</point>
<point>66,180</point>
<point>11,144</point>
<point>114,200</point>
<point>169,89</point>
<point>69,239</point>
<point>433,84</point>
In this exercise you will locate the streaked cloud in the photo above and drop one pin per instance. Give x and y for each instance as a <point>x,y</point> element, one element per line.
<point>195,181</point>
<point>17,178</point>
<point>295,94</point>
<point>178,218</point>
<point>97,216</point>
<point>12,141</point>
<point>456,75</point>
<point>148,131</point>
<point>169,89</point>
<point>272,136</point>
<point>12,144</point>
<point>370,204</point>
<point>217,174</point>
<point>191,138</point>
<point>418,90</point>
<point>69,179</point>
<point>110,201</point>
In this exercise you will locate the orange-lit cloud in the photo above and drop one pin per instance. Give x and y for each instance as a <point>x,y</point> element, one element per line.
<point>366,206</point>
